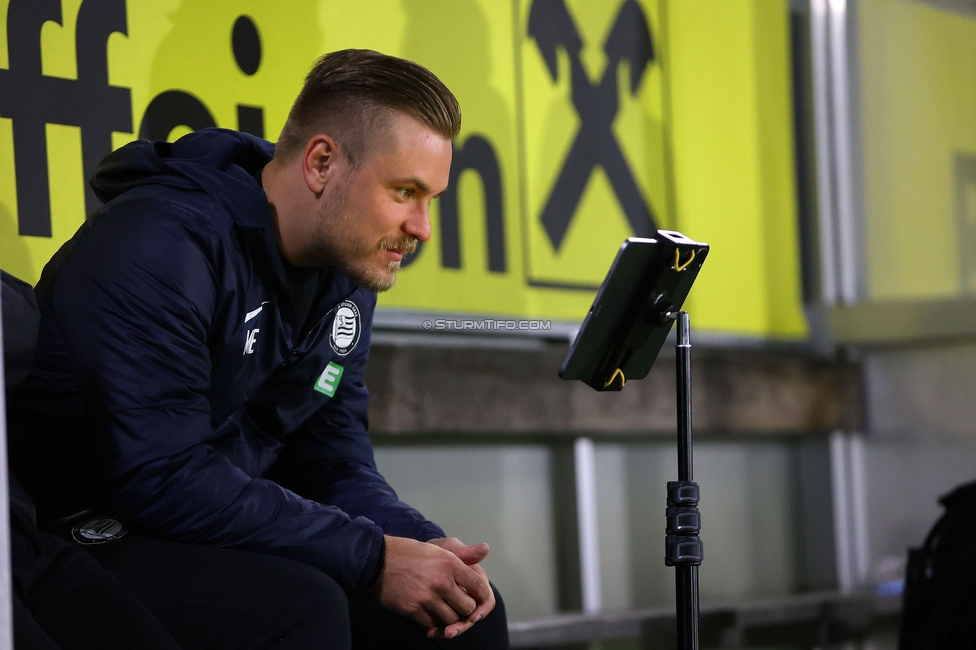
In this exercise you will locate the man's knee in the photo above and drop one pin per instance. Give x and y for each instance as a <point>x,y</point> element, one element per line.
<point>316,603</point>
<point>325,595</point>
<point>217,597</point>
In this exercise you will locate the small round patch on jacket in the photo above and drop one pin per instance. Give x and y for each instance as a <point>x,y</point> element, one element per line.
<point>99,530</point>
<point>346,328</point>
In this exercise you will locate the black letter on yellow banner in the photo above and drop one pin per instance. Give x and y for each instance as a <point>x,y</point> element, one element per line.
<point>170,109</point>
<point>477,155</point>
<point>32,100</point>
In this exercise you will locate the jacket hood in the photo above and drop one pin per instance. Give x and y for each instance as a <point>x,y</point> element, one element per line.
<point>220,162</point>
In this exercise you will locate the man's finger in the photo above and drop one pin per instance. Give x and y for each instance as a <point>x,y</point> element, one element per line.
<point>484,608</point>
<point>488,604</point>
<point>469,554</point>
<point>455,595</point>
<point>474,581</point>
<point>423,618</point>
<point>460,602</point>
<point>450,631</point>
<point>441,613</point>
<point>473,554</point>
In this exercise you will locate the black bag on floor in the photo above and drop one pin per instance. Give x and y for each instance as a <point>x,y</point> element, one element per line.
<point>939,606</point>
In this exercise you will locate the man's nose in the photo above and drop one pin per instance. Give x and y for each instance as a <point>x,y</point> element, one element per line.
<point>418,224</point>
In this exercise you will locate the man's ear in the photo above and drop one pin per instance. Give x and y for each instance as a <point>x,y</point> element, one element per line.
<point>319,162</point>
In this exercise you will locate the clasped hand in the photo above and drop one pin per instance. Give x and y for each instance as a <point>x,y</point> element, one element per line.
<point>438,583</point>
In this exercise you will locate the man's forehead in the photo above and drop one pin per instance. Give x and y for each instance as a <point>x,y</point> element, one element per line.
<point>400,130</point>
<point>413,153</point>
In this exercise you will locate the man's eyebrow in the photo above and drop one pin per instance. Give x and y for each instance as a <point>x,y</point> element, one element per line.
<point>416,182</point>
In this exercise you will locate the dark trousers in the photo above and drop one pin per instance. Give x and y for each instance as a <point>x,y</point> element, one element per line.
<point>63,600</point>
<point>214,598</point>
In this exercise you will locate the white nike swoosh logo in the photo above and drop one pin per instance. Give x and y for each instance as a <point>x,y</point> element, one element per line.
<point>252,314</point>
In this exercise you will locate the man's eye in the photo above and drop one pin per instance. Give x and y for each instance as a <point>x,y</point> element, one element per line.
<point>405,192</point>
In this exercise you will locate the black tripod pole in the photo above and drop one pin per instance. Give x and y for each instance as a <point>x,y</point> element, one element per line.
<point>683,548</point>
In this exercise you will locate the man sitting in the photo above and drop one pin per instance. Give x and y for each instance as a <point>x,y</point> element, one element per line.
<point>199,377</point>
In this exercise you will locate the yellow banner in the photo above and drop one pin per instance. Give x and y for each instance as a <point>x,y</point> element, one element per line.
<point>585,122</point>
<point>918,116</point>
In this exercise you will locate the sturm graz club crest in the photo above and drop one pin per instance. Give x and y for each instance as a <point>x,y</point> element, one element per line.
<point>99,530</point>
<point>345,328</point>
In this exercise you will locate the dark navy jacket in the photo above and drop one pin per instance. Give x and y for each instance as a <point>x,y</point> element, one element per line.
<point>174,385</point>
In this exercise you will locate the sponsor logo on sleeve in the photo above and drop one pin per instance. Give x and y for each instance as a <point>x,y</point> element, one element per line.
<point>328,381</point>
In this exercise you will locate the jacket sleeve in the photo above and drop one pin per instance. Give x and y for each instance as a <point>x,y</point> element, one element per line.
<point>330,458</point>
<point>135,302</point>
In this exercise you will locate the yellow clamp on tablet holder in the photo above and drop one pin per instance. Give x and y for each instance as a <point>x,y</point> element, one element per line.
<point>678,265</point>
<point>616,373</point>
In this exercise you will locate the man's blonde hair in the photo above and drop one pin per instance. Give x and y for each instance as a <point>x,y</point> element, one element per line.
<point>349,95</point>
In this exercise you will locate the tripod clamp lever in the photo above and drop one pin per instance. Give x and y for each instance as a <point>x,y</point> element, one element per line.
<point>682,544</point>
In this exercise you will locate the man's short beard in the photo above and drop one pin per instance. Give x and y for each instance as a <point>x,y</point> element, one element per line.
<point>349,251</point>
<point>372,280</point>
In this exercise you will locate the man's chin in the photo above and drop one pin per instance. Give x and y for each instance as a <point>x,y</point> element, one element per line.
<point>379,286</point>
<point>378,281</point>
